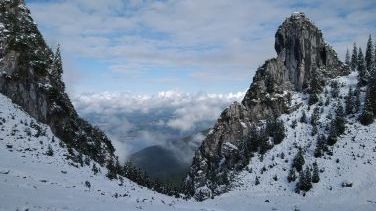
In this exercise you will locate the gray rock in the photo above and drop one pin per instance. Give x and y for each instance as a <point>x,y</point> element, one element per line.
<point>301,52</point>
<point>26,67</point>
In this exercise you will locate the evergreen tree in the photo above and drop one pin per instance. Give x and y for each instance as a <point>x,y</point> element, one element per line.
<point>303,119</point>
<point>368,115</point>
<point>335,89</point>
<point>320,146</point>
<point>257,181</point>
<point>315,116</point>
<point>315,175</point>
<point>291,176</point>
<point>369,59</point>
<point>305,180</point>
<point>50,151</point>
<point>276,129</point>
<point>347,59</point>
<point>95,169</point>
<point>337,125</point>
<point>357,99</point>
<point>57,70</point>
<point>363,74</point>
<point>298,161</point>
<point>349,104</point>
<point>354,58</point>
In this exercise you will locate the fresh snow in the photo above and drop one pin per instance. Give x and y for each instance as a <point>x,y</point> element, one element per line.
<point>30,179</point>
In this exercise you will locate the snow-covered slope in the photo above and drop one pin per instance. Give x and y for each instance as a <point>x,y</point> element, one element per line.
<point>29,178</point>
<point>353,160</point>
<point>32,179</point>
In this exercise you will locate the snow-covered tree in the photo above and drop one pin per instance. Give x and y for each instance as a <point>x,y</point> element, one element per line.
<point>354,58</point>
<point>57,70</point>
<point>363,74</point>
<point>357,99</point>
<point>315,175</point>
<point>369,58</point>
<point>305,180</point>
<point>337,125</point>
<point>369,112</point>
<point>303,118</point>
<point>291,176</point>
<point>298,161</point>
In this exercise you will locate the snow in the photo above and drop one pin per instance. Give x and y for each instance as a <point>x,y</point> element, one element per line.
<point>230,146</point>
<point>30,179</point>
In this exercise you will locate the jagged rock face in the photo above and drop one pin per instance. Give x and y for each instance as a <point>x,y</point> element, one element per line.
<point>28,76</point>
<point>301,47</point>
<point>301,52</point>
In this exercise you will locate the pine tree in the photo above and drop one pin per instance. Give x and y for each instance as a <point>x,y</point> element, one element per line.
<point>337,125</point>
<point>257,181</point>
<point>335,89</point>
<point>354,58</point>
<point>340,118</point>
<point>349,102</point>
<point>95,169</point>
<point>298,161</point>
<point>315,116</point>
<point>57,71</point>
<point>303,119</point>
<point>276,129</point>
<point>357,99</point>
<point>291,176</point>
<point>347,59</point>
<point>369,112</point>
<point>315,175</point>
<point>320,146</point>
<point>363,74</point>
<point>369,59</point>
<point>50,151</point>
<point>305,180</point>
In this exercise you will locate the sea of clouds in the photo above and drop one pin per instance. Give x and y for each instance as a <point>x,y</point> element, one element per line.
<point>134,122</point>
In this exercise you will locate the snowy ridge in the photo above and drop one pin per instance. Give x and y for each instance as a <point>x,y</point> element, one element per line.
<point>31,179</point>
<point>353,160</point>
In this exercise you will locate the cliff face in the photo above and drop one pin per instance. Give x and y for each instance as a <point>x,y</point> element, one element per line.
<point>302,54</point>
<point>30,75</point>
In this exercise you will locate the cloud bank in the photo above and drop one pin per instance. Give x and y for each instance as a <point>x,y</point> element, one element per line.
<point>138,121</point>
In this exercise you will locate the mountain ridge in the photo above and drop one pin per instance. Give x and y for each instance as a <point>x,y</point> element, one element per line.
<point>31,75</point>
<point>302,64</point>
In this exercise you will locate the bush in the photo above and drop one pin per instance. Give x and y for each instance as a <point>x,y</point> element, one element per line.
<point>366,118</point>
<point>313,98</point>
<point>50,151</point>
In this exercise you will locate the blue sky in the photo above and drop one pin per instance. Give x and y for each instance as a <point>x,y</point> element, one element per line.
<point>214,46</point>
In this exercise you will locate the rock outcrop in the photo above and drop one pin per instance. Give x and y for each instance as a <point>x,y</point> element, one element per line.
<point>30,75</point>
<point>302,54</point>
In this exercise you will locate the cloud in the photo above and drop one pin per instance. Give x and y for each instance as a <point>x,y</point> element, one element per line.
<point>137,121</point>
<point>214,40</point>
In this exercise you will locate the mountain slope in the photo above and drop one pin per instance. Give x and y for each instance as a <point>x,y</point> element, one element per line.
<point>31,75</point>
<point>31,179</point>
<point>303,64</point>
<point>160,163</point>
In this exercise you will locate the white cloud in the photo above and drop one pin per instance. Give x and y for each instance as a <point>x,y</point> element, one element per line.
<point>212,38</point>
<point>138,121</point>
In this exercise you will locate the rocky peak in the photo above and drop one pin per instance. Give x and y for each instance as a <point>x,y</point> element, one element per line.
<point>300,46</point>
<point>303,57</point>
<point>27,67</point>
